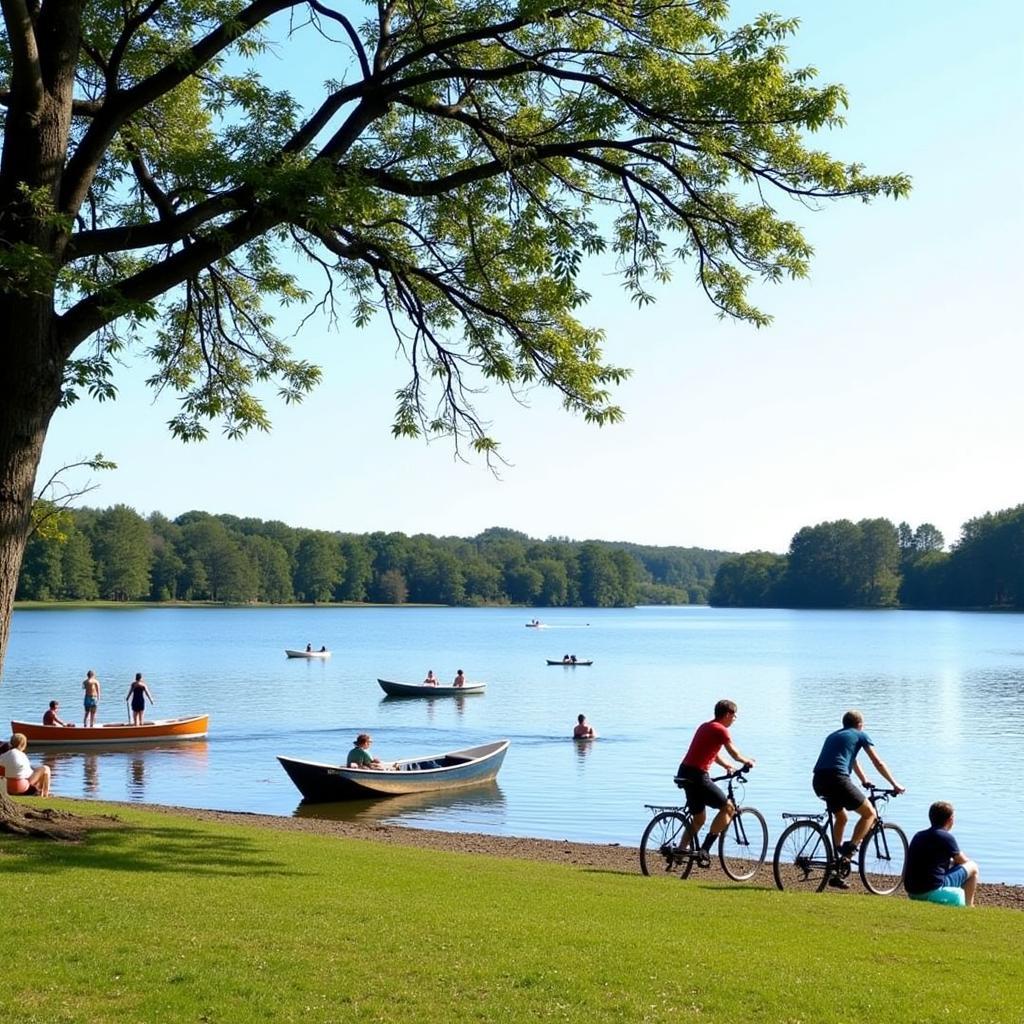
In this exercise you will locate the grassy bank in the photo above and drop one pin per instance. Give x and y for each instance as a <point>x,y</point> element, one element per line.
<point>174,920</point>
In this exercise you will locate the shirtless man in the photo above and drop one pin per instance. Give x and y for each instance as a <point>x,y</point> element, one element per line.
<point>91,685</point>
<point>50,716</point>
<point>583,730</point>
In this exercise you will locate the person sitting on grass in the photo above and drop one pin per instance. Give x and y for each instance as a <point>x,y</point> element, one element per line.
<point>22,778</point>
<point>937,870</point>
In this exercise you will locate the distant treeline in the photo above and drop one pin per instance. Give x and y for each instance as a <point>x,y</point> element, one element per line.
<point>874,564</point>
<point>116,554</point>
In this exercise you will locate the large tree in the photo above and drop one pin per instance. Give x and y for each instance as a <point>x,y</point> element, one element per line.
<point>453,174</point>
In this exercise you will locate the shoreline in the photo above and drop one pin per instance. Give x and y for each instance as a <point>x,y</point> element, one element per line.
<point>587,856</point>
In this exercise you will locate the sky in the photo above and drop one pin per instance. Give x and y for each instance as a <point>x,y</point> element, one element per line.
<point>888,384</point>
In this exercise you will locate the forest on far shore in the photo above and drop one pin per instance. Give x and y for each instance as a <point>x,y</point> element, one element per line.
<point>874,564</point>
<point>116,554</point>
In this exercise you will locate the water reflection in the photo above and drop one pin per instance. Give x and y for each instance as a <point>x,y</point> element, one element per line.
<point>86,771</point>
<point>90,774</point>
<point>137,778</point>
<point>458,808</point>
<point>583,748</point>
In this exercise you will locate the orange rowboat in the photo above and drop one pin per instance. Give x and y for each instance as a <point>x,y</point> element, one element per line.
<point>158,731</point>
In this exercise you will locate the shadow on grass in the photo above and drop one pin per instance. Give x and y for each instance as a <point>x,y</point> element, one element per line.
<point>130,848</point>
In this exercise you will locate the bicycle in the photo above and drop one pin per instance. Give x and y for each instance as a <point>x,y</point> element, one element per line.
<point>806,859</point>
<point>742,847</point>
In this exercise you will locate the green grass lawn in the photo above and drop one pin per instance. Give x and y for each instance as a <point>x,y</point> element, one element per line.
<point>173,920</point>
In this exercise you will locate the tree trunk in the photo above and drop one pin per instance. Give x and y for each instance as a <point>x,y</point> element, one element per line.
<point>30,390</point>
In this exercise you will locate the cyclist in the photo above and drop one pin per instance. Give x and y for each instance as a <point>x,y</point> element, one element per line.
<point>832,783</point>
<point>693,776</point>
<point>937,870</point>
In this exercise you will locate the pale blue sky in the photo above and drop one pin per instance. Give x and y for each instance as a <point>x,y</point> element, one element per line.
<point>888,385</point>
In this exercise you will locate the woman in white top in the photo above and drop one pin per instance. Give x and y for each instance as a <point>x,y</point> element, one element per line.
<point>22,778</point>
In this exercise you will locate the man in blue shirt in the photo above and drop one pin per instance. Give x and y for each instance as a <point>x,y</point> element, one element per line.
<point>832,783</point>
<point>937,870</point>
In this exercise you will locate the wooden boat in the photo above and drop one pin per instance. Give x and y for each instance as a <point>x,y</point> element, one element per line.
<point>569,664</point>
<point>158,731</point>
<point>307,654</point>
<point>322,783</point>
<point>393,689</point>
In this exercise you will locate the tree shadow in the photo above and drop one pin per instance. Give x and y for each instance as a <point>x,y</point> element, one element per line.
<point>159,850</point>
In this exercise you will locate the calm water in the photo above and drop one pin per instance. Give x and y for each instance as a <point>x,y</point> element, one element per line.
<point>943,695</point>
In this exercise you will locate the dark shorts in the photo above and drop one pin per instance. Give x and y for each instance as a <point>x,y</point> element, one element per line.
<point>838,791</point>
<point>91,703</point>
<point>701,792</point>
<point>138,705</point>
<point>957,877</point>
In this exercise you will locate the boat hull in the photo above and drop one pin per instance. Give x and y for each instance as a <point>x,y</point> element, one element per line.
<point>159,731</point>
<point>457,769</point>
<point>394,689</point>
<point>569,664</point>
<point>307,654</point>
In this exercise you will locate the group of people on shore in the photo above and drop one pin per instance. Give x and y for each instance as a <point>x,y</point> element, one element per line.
<point>137,695</point>
<point>432,680</point>
<point>936,868</point>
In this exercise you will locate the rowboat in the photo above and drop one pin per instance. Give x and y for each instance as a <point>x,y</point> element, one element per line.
<point>535,625</point>
<point>307,654</point>
<point>321,783</point>
<point>393,689</point>
<point>569,664</point>
<point>158,731</point>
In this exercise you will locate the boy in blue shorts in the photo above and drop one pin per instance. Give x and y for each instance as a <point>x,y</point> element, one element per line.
<point>937,870</point>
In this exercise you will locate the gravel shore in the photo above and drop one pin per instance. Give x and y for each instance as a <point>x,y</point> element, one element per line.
<point>610,857</point>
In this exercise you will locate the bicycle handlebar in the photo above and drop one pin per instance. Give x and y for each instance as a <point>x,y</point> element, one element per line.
<point>883,791</point>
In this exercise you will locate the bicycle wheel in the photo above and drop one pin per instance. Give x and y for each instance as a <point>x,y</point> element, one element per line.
<point>661,848</point>
<point>803,858</point>
<point>883,858</point>
<point>744,844</point>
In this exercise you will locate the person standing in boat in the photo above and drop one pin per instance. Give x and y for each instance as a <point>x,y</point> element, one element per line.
<point>359,756</point>
<point>583,730</point>
<point>138,691</point>
<point>22,778</point>
<point>50,716</point>
<point>460,678</point>
<point>431,679</point>
<point>91,686</point>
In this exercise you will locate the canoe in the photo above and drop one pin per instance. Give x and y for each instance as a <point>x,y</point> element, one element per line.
<point>158,731</point>
<point>535,625</point>
<point>569,664</point>
<point>307,654</point>
<point>321,783</point>
<point>393,689</point>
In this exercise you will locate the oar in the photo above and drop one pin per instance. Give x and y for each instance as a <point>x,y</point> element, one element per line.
<point>128,710</point>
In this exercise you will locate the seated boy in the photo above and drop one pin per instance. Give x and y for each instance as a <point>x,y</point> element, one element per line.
<point>937,871</point>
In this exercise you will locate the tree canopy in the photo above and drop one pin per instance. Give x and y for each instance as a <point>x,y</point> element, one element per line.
<point>458,166</point>
<point>873,564</point>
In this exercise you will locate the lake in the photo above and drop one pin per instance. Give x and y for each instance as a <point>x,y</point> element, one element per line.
<point>942,694</point>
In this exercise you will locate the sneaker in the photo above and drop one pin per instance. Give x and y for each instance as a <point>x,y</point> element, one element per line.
<point>703,859</point>
<point>848,850</point>
<point>835,882</point>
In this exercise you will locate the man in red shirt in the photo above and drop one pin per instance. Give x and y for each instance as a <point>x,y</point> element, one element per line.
<point>693,776</point>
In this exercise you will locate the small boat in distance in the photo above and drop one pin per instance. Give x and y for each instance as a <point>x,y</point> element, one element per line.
<point>158,731</point>
<point>322,783</point>
<point>536,624</point>
<point>394,689</point>
<point>307,654</point>
<point>572,663</point>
